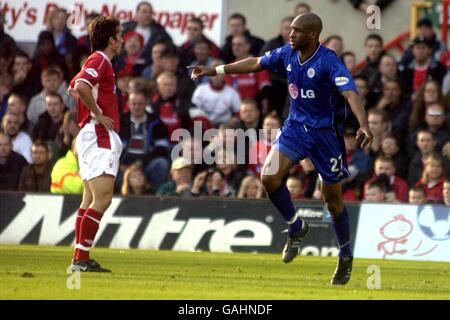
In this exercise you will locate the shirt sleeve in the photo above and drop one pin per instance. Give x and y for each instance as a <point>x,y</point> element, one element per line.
<point>273,60</point>
<point>91,72</point>
<point>339,75</point>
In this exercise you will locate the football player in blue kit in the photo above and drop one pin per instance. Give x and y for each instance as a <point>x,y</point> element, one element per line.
<point>320,88</point>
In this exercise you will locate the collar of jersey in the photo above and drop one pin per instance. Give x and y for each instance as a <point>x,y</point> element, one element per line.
<point>104,55</point>
<point>314,54</point>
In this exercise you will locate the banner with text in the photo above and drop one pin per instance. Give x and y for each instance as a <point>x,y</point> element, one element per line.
<point>406,232</point>
<point>201,224</point>
<point>25,19</point>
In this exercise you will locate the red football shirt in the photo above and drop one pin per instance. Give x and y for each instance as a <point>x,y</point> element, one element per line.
<point>98,73</point>
<point>248,84</point>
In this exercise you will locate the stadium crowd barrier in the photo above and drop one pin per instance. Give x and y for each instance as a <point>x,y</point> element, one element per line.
<point>228,225</point>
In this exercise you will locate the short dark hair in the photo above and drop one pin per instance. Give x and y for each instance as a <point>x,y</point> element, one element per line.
<point>238,16</point>
<point>143,3</point>
<point>55,95</point>
<point>101,30</point>
<point>333,36</point>
<point>418,189</point>
<point>360,77</point>
<point>40,143</point>
<point>23,98</point>
<point>197,21</point>
<point>51,71</point>
<point>170,52</point>
<point>22,54</point>
<point>304,5</point>
<point>383,114</point>
<point>377,184</point>
<point>374,36</point>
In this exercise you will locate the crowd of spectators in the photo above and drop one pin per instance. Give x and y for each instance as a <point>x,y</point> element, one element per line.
<point>407,101</point>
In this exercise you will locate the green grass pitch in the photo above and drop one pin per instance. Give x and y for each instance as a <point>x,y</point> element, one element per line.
<point>39,272</point>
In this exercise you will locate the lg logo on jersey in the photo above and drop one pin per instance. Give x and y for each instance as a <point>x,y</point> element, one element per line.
<point>304,94</point>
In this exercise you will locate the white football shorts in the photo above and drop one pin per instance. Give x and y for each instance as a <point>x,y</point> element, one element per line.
<point>98,151</point>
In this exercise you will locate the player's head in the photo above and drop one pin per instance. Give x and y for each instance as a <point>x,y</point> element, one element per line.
<point>105,33</point>
<point>305,31</point>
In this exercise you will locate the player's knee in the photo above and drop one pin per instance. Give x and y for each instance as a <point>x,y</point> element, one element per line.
<point>270,182</point>
<point>334,205</point>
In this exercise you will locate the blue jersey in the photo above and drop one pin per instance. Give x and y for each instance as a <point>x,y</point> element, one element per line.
<point>314,85</point>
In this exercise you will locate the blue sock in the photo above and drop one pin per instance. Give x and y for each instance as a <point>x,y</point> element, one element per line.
<point>342,229</point>
<point>281,199</point>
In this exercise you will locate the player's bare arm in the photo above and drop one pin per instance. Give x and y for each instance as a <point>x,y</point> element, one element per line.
<point>85,94</point>
<point>73,93</point>
<point>355,104</point>
<point>249,65</point>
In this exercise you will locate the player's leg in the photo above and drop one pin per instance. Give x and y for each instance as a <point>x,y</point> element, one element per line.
<point>85,202</point>
<point>276,166</point>
<point>102,189</point>
<point>328,156</point>
<point>332,194</point>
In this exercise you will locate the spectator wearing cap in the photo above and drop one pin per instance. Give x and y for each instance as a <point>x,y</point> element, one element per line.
<point>181,183</point>
<point>148,28</point>
<point>421,68</point>
<point>130,63</point>
<point>194,35</point>
<point>435,121</point>
<point>424,29</point>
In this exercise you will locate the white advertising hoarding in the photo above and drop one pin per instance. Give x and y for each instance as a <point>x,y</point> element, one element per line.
<point>404,232</point>
<point>26,18</point>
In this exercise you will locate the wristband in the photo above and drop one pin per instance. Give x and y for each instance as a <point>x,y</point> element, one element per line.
<point>220,69</point>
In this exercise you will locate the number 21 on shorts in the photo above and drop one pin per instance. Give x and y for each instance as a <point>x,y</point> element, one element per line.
<point>336,164</point>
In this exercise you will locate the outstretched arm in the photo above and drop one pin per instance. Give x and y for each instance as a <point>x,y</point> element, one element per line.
<point>249,65</point>
<point>360,113</point>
